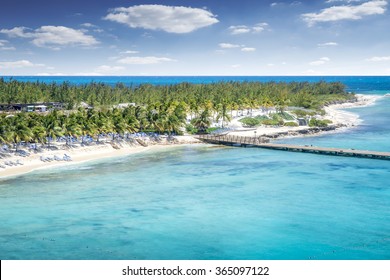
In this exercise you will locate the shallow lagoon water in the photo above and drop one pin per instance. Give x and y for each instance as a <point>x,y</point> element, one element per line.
<point>200,202</point>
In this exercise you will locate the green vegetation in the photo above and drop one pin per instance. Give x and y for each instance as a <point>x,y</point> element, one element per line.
<point>40,128</point>
<point>303,113</point>
<point>159,108</point>
<point>212,129</point>
<point>286,116</point>
<point>191,129</point>
<point>251,122</point>
<point>276,119</point>
<point>220,97</point>
<point>290,124</point>
<point>319,123</point>
<point>261,118</point>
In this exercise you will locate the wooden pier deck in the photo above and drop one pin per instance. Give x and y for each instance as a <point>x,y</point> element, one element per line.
<point>259,142</point>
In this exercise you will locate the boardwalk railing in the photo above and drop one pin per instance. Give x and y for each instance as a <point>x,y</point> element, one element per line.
<point>260,142</point>
<point>232,139</point>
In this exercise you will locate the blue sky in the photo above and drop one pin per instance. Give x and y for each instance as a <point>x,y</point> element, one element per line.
<point>195,37</point>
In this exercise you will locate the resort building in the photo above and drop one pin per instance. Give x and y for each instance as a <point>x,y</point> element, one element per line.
<point>32,107</point>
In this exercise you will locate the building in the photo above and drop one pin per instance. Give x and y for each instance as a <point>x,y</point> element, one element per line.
<point>40,108</point>
<point>32,107</point>
<point>302,122</point>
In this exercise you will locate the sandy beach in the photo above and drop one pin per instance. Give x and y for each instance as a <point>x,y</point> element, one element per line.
<point>83,154</point>
<point>79,154</point>
<point>339,117</point>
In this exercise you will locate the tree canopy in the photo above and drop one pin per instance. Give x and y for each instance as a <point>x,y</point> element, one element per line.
<point>159,108</point>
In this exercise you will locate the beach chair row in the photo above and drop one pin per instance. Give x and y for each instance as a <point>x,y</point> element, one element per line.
<point>11,163</point>
<point>65,157</point>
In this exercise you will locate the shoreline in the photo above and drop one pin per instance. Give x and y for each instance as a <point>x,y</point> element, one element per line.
<point>341,120</point>
<point>84,154</point>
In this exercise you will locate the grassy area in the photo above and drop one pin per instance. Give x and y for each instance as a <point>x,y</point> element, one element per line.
<point>273,119</point>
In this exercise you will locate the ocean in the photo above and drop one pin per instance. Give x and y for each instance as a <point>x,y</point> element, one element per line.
<point>202,202</point>
<point>358,84</point>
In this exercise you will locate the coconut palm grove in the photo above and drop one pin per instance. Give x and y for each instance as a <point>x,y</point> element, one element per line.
<point>154,108</point>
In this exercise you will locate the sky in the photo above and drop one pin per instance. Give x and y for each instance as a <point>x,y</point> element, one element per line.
<point>194,37</point>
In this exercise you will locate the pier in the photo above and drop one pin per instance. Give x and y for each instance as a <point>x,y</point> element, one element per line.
<point>242,141</point>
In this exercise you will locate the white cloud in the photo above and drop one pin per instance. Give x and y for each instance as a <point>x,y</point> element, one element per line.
<point>347,1</point>
<point>7,48</point>
<point>243,29</point>
<point>61,35</point>
<point>50,74</point>
<point>172,19</point>
<point>379,58</point>
<point>246,49</point>
<point>328,44</point>
<point>92,27</point>
<point>260,27</point>
<point>4,46</point>
<point>88,25</point>
<point>130,52</point>
<point>321,61</point>
<point>236,65</point>
<point>53,36</point>
<point>294,3</point>
<point>17,32</point>
<point>311,72</point>
<point>105,69</point>
<point>86,74</point>
<point>228,46</point>
<point>336,13</point>
<point>144,60</point>
<point>18,64</point>
<point>239,29</point>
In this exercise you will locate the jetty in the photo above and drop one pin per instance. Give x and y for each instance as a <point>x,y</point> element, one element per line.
<point>260,142</point>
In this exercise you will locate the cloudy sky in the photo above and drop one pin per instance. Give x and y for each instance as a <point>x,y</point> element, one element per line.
<point>195,37</point>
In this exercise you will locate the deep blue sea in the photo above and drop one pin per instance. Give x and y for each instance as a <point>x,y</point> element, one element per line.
<point>206,202</point>
<point>358,84</point>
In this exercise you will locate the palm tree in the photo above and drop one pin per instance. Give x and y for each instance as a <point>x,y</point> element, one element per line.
<point>119,125</point>
<point>70,128</point>
<point>141,116</point>
<point>52,127</point>
<point>39,135</point>
<point>222,113</point>
<point>21,132</point>
<point>103,124</point>
<point>203,121</point>
<point>6,134</point>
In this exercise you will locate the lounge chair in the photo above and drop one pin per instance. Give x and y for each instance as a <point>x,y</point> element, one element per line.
<point>67,157</point>
<point>57,158</point>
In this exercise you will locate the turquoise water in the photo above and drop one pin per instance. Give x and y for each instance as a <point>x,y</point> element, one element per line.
<point>372,134</point>
<point>205,202</point>
<point>200,203</point>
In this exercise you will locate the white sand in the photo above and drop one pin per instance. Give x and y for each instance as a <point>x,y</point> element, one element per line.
<point>333,113</point>
<point>82,154</point>
<point>87,153</point>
